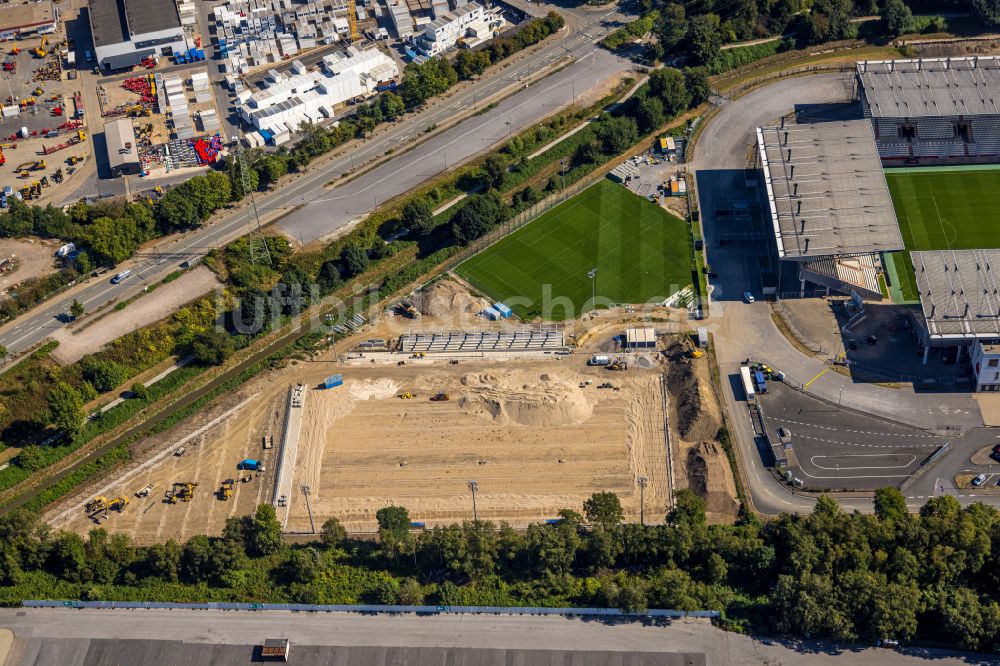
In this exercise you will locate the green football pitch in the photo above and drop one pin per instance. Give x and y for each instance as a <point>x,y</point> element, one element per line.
<point>642,254</point>
<point>943,208</point>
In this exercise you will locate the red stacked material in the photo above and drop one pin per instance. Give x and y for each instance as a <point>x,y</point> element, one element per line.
<point>208,151</point>
<point>140,86</point>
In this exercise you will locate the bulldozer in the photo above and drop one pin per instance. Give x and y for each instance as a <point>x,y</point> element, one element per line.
<point>440,397</point>
<point>118,504</point>
<point>226,490</point>
<point>99,503</point>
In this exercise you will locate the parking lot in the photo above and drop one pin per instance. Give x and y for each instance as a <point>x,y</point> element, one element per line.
<point>842,449</point>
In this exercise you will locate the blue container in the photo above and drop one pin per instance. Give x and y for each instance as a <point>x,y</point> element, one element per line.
<point>503,310</point>
<point>760,381</point>
<point>267,136</point>
<point>417,525</point>
<point>335,380</point>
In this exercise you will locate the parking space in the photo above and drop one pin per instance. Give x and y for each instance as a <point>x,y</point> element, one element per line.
<point>836,448</point>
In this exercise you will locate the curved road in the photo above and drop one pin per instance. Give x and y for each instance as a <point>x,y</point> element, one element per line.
<point>322,211</point>
<point>742,331</point>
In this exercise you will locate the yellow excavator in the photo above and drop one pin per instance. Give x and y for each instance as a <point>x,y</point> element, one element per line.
<point>118,504</point>
<point>99,503</point>
<point>226,491</point>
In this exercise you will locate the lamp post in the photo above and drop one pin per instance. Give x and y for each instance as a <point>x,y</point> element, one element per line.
<point>312,525</point>
<point>642,500</point>
<point>593,288</point>
<point>474,486</point>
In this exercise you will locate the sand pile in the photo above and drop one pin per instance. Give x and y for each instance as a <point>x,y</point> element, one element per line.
<point>709,475</point>
<point>696,410</point>
<point>447,297</point>
<point>525,398</point>
<point>373,389</point>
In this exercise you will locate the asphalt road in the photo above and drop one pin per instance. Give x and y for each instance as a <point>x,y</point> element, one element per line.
<point>327,210</point>
<point>64,635</point>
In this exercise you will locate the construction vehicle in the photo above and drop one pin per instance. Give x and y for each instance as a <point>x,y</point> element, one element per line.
<point>145,491</point>
<point>118,504</point>
<point>38,91</point>
<point>9,66</point>
<point>419,355</point>
<point>39,52</point>
<point>618,365</point>
<point>406,396</point>
<point>72,161</point>
<point>24,174</point>
<point>37,165</point>
<point>99,503</point>
<point>3,158</point>
<point>226,490</point>
<point>440,397</point>
<point>182,492</point>
<point>15,50</point>
<point>80,134</point>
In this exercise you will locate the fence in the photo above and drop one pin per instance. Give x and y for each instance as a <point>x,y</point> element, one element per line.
<point>362,608</point>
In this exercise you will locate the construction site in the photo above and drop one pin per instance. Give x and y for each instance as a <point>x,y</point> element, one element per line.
<point>533,420</point>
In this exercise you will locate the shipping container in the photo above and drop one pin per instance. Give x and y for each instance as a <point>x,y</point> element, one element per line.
<point>761,382</point>
<point>747,383</point>
<point>491,314</point>
<point>504,311</point>
<point>335,380</point>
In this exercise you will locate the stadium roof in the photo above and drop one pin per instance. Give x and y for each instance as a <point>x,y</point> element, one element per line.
<point>826,190</point>
<point>932,87</point>
<point>959,292</point>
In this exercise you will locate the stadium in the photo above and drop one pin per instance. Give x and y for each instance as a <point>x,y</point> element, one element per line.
<point>900,202</point>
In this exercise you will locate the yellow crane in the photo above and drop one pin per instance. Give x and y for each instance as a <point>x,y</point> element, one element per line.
<point>352,21</point>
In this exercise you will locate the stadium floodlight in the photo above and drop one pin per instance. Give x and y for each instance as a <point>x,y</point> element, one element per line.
<point>592,274</point>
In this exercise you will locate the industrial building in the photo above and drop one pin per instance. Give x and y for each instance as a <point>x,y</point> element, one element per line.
<point>126,31</point>
<point>640,338</point>
<point>290,99</point>
<point>123,152</point>
<point>933,111</point>
<point>470,23</point>
<point>24,18</point>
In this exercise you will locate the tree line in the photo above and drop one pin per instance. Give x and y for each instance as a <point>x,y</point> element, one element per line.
<point>833,575</point>
<point>694,32</point>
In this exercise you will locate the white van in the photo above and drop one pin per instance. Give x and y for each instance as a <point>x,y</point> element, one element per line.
<point>121,276</point>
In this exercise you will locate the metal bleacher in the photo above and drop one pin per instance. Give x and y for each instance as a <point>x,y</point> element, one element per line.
<point>527,339</point>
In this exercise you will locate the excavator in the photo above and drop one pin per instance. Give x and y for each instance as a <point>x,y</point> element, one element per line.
<point>440,397</point>
<point>226,490</point>
<point>118,504</point>
<point>99,503</point>
<point>182,492</point>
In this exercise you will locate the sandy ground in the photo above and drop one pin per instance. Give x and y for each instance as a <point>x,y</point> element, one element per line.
<point>525,431</point>
<point>87,337</point>
<point>34,257</point>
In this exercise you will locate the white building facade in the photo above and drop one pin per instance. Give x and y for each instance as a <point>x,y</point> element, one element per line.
<point>468,21</point>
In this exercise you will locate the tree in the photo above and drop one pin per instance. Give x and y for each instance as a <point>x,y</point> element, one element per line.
<point>65,408</point>
<point>212,347</point>
<point>353,260</point>
<point>76,309</point>
<point>689,509</point>
<point>890,505</point>
<point>3,352</point>
<point>986,11</point>
<point>649,114</point>
<point>418,216</point>
<point>896,17</point>
<point>410,593</point>
<point>617,134</point>
<point>674,25</point>
<point>393,520</point>
<point>704,39</point>
<point>264,532</point>
<point>176,210</point>
<point>495,170</point>
<point>604,509</point>
<point>333,533</point>
<point>105,375</point>
<point>670,86</point>
<point>303,565</point>
<point>697,84</point>
<point>480,214</point>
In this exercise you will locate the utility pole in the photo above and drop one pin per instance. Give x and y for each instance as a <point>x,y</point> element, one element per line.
<point>312,525</point>
<point>474,486</point>
<point>593,288</point>
<point>642,500</point>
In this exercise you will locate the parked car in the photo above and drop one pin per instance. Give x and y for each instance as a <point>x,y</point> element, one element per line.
<point>748,297</point>
<point>996,453</point>
<point>979,480</point>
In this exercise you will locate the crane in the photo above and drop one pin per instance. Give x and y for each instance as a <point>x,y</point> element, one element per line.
<point>352,21</point>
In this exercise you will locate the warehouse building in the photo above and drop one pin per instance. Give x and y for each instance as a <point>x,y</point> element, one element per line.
<point>126,31</point>
<point>933,111</point>
<point>123,153</point>
<point>23,19</point>
<point>288,100</point>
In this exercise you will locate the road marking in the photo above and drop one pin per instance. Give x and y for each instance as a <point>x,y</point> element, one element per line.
<point>828,369</point>
<point>813,459</point>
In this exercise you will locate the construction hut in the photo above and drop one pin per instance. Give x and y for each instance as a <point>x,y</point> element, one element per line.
<point>640,338</point>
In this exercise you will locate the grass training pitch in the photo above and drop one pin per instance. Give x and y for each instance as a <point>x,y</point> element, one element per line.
<point>942,208</point>
<point>642,253</point>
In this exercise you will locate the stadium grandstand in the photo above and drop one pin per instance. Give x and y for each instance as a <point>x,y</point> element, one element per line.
<point>829,203</point>
<point>527,339</point>
<point>933,111</point>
